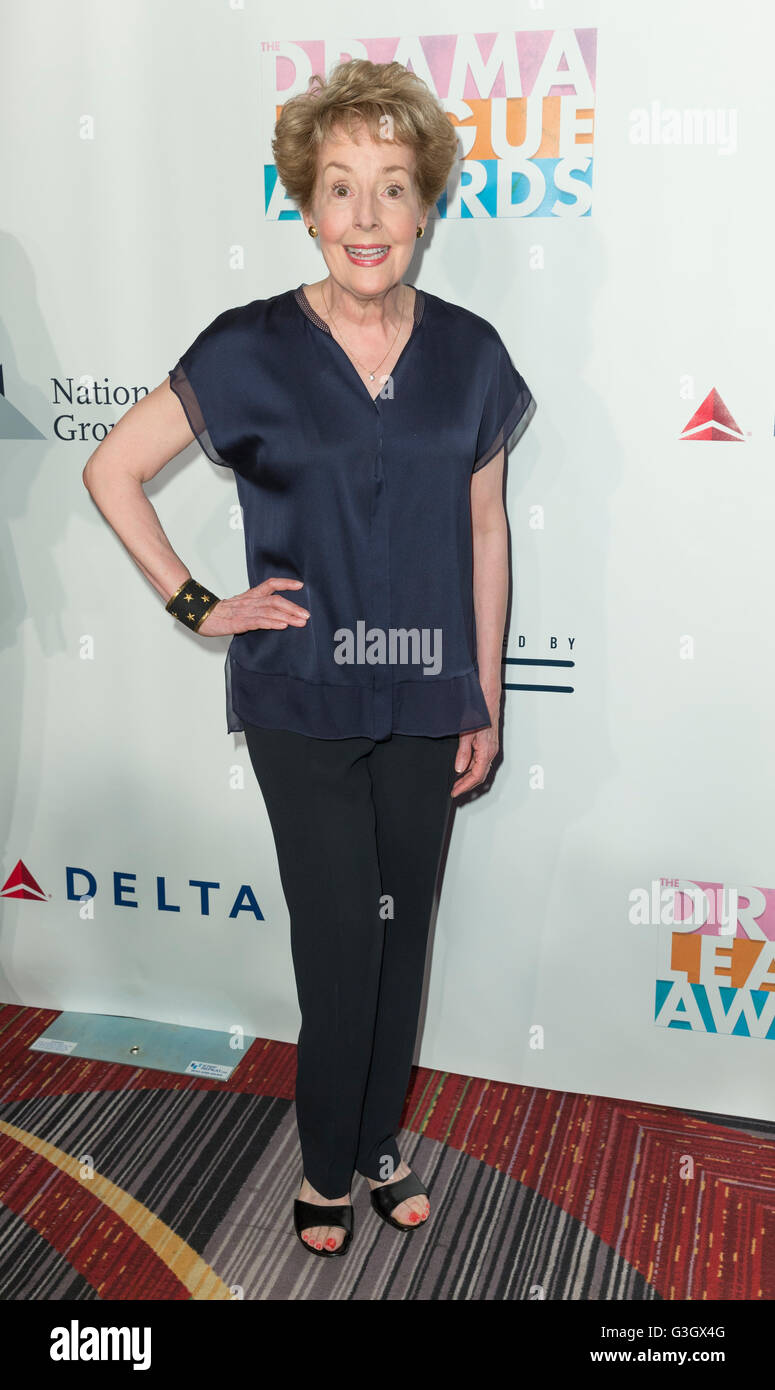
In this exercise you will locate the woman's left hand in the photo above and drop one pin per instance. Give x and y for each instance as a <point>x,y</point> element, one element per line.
<point>475,754</point>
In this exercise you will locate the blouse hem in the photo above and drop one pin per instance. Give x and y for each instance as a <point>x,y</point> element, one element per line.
<point>435,709</point>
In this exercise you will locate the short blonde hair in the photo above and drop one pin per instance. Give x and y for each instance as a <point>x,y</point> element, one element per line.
<point>360,91</point>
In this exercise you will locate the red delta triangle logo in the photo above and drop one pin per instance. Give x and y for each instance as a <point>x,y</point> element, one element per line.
<point>713,421</point>
<point>21,884</point>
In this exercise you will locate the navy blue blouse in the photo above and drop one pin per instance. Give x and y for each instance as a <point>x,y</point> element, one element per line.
<point>366,501</point>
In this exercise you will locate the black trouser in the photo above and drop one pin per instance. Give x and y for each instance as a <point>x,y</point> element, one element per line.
<point>358,827</point>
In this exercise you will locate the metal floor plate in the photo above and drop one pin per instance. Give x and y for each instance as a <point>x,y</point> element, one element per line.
<point>141,1042</point>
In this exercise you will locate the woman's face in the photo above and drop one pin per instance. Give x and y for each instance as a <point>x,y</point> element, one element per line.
<point>367,211</point>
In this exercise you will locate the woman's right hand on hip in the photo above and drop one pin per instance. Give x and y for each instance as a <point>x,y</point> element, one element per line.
<point>260,607</point>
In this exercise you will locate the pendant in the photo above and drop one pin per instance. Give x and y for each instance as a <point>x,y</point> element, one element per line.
<point>371,376</point>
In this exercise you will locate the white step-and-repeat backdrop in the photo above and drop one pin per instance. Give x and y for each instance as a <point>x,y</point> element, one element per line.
<point>607,913</point>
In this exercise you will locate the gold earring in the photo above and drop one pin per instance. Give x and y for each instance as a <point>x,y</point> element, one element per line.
<point>313,231</point>
<point>420,231</point>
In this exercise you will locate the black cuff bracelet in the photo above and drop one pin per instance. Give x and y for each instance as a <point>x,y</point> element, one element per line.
<point>191,603</point>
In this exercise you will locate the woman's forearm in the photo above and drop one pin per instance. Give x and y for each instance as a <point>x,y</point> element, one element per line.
<point>491,566</point>
<point>122,501</point>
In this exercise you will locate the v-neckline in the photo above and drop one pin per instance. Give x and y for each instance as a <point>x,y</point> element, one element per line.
<point>307,309</point>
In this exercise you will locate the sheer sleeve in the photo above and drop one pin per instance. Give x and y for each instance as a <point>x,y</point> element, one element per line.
<point>203,382</point>
<point>508,408</point>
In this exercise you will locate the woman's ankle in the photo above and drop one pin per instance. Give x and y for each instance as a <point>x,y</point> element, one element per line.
<point>387,1167</point>
<point>313,1194</point>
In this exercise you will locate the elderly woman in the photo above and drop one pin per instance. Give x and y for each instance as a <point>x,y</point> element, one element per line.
<point>357,414</point>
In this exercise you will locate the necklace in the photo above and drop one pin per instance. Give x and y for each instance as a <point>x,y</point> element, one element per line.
<point>371,374</point>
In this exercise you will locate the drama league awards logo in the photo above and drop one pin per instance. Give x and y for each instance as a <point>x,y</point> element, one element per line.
<point>522,103</point>
<point>716,958</point>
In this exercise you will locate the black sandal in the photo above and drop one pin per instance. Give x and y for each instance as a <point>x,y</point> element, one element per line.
<point>306,1214</point>
<point>390,1195</point>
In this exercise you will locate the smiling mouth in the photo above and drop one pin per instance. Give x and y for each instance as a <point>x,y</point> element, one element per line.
<point>367,254</point>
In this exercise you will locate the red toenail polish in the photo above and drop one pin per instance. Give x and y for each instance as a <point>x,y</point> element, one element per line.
<point>331,1242</point>
<point>318,1245</point>
<point>413,1216</point>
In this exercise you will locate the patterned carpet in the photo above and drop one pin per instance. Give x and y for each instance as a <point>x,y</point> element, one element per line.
<point>134,1184</point>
